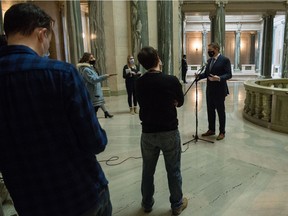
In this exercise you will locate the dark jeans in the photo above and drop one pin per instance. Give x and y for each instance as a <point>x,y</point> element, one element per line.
<point>170,144</point>
<point>130,88</point>
<point>104,206</point>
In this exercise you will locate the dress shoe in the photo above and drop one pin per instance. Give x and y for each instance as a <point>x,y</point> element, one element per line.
<point>209,133</point>
<point>220,136</point>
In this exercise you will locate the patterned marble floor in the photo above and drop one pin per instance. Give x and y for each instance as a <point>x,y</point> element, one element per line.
<point>244,174</point>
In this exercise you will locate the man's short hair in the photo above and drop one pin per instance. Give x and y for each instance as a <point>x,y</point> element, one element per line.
<point>24,18</point>
<point>148,57</point>
<point>215,45</point>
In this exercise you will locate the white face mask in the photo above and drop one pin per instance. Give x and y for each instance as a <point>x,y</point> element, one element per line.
<point>46,55</point>
<point>131,61</point>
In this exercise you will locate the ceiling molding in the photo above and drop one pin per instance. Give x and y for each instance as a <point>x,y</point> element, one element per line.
<point>242,7</point>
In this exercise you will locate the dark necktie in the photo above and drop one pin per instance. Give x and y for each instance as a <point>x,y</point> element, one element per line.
<point>211,63</point>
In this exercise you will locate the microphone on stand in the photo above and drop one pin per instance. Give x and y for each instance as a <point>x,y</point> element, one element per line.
<point>203,67</point>
<point>196,75</point>
<point>201,70</point>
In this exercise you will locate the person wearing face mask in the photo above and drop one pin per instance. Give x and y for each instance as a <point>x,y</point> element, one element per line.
<point>130,74</point>
<point>217,72</point>
<point>92,79</point>
<point>49,132</point>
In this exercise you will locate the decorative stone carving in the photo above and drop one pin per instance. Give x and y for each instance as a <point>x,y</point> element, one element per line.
<point>266,103</point>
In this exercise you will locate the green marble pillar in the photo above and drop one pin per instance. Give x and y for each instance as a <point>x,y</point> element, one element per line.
<point>143,15</point>
<point>267,45</point>
<point>220,26</point>
<point>258,53</point>
<point>252,48</point>
<point>139,26</point>
<point>97,34</point>
<point>285,50</point>
<point>165,34</point>
<point>74,28</point>
<point>212,18</point>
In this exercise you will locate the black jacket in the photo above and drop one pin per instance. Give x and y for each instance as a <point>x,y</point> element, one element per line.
<point>221,68</point>
<point>156,94</point>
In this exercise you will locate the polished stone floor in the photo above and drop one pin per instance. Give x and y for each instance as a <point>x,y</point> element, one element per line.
<point>244,174</point>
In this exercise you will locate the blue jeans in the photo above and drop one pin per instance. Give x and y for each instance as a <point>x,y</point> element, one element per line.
<point>170,144</point>
<point>104,207</point>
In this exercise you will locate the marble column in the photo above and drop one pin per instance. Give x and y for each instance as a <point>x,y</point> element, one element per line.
<point>183,26</point>
<point>212,18</point>
<point>252,48</point>
<point>285,49</point>
<point>220,25</point>
<point>97,35</point>
<point>74,28</point>
<point>262,45</point>
<point>143,15</point>
<point>204,45</point>
<point>1,19</point>
<point>237,48</point>
<point>165,34</point>
<point>257,53</point>
<point>267,45</point>
<point>139,26</point>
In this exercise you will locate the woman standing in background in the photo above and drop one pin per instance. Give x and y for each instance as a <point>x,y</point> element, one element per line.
<point>93,81</point>
<point>130,74</point>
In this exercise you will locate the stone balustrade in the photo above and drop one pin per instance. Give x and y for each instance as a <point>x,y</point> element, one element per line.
<point>266,103</point>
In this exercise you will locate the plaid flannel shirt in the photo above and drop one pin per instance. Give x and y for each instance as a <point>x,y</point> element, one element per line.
<point>49,136</point>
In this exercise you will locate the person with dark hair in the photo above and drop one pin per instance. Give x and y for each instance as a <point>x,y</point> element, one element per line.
<point>158,96</point>
<point>93,81</point>
<point>130,74</point>
<point>48,128</point>
<point>184,68</point>
<point>217,72</point>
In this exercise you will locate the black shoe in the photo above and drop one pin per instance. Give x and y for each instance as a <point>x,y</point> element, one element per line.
<point>108,115</point>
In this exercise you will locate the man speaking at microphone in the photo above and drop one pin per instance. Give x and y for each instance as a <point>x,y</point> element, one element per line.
<point>217,72</point>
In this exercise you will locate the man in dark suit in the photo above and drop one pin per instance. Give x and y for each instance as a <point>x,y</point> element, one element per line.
<point>217,72</point>
<point>184,68</point>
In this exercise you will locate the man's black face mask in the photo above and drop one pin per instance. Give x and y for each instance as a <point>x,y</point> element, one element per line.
<point>211,53</point>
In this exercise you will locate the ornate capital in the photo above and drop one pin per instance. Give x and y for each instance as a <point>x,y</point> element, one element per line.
<point>239,26</point>
<point>221,2</point>
<point>269,13</point>
<point>212,15</point>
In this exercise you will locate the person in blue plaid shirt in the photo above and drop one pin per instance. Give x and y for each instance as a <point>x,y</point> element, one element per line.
<point>49,133</point>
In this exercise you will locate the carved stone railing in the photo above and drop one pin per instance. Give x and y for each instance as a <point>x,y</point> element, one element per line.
<point>266,103</point>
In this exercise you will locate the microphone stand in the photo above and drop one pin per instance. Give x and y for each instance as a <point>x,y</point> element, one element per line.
<point>196,137</point>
